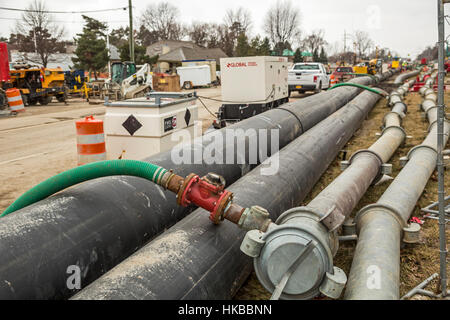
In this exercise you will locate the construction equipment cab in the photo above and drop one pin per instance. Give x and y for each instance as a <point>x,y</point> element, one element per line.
<point>128,81</point>
<point>38,84</point>
<point>122,70</point>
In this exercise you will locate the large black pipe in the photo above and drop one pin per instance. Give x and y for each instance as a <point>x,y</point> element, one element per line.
<point>198,260</point>
<point>97,224</point>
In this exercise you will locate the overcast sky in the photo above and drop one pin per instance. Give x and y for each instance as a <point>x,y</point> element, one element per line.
<point>406,26</point>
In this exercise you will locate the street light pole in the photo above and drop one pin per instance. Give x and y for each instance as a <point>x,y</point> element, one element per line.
<point>440,146</point>
<point>131,36</point>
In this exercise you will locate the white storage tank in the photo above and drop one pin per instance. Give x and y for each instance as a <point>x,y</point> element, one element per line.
<point>138,128</point>
<point>251,85</point>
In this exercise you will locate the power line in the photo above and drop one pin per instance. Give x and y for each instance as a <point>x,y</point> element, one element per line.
<point>61,21</point>
<point>71,12</point>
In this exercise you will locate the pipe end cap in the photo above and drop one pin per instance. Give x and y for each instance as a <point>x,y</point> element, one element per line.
<point>333,284</point>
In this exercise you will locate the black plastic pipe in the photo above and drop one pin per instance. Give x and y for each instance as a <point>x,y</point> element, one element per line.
<point>198,260</point>
<point>96,225</point>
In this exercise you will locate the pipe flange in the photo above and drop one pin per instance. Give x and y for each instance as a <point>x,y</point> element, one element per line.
<point>284,246</point>
<point>430,108</point>
<point>409,155</point>
<point>428,99</point>
<point>379,206</point>
<point>430,127</point>
<point>400,117</point>
<point>285,216</point>
<point>404,104</point>
<point>380,161</point>
<point>395,127</point>
<point>331,220</point>
<point>316,217</point>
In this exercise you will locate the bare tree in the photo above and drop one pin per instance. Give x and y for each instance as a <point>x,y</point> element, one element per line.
<point>238,20</point>
<point>162,22</point>
<point>363,43</point>
<point>282,23</point>
<point>315,41</point>
<point>37,33</point>
<point>199,33</point>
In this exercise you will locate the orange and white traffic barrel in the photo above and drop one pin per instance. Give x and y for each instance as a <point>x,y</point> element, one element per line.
<point>333,80</point>
<point>90,140</point>
<point>15,100</point>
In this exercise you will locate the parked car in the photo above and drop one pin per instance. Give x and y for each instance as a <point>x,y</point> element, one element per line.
<point>343,74</point>
<point>308,76</point>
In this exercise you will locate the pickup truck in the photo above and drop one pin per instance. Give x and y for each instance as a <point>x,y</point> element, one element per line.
<point>308,76</point>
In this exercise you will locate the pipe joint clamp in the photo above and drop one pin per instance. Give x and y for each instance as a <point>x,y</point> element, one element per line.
<point>382,167</point>
<point>379,207</point>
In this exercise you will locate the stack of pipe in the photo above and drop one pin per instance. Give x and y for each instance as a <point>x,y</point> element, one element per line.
<point>97,224</point>
<point>318,221</point>
<point>197,260</point>
<point>375,271</point>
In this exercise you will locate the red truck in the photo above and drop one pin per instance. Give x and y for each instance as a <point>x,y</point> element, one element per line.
<point>343,74</point>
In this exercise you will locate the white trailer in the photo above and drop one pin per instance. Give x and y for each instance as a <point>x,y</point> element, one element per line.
<point>251,85</point>
<point>194,76</point>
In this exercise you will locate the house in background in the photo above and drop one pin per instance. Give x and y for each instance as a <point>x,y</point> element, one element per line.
<point>172,54</point>
<point>56,60</point>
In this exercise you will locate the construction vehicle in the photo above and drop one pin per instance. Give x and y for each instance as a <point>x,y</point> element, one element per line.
<point>75,81</point>
<point>395,63</point>
<point>126,83</point>
<point>368,67</point>
<point>376,65</point>
<point>38,84</point>
<point>122,70</point>
<point>138,84</point>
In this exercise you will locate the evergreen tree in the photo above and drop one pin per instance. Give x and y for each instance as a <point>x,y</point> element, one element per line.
<point>298,56</point>
<point>280,47</point>
<point>91,53</point>
<point>140,56</point>
<point>264,47</point>
<point>254,47</point>
<point>315,56</point>
<point>242,47</point>
<point>323,58</point>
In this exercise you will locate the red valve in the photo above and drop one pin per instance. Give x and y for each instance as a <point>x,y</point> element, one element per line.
<point>208,193</point>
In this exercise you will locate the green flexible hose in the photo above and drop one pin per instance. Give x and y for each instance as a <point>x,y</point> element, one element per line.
<point>84,173</point>
<point>351,84</point>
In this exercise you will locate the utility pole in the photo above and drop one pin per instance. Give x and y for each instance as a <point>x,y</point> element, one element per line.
<point>131,36</point>
<point>440,146</point>
<point>345,41</point>
<point>345,46</point>
<point>109,53</point>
